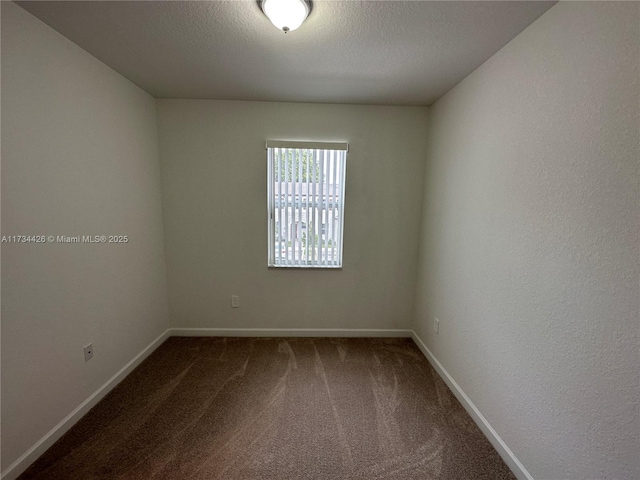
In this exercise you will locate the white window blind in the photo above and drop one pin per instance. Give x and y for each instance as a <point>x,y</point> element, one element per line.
<point>305,203</point>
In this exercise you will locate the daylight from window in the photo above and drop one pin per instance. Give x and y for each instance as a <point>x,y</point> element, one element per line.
<point>306,205</point>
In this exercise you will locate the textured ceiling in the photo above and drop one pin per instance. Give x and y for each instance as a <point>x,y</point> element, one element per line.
<point>374,52</point>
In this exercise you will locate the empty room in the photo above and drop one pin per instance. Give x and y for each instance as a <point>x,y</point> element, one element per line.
<point>320,240</point>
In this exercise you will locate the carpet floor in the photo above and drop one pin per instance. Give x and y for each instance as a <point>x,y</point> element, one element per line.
<point>277,409</point>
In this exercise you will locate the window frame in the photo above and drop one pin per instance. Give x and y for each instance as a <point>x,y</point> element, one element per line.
<point>340,150</point>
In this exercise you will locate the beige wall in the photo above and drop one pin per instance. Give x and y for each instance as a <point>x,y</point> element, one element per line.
<point>529,242</point>
<point>529,254</point>
<point>214,201</point>
<point>79,156</point>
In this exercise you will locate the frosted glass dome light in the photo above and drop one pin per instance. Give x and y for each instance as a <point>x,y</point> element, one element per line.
<point>286,15</point>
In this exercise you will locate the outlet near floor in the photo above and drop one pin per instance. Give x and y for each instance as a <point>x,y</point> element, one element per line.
<point>436,325</point>
<point>88,352</point>
<point>235,301</point>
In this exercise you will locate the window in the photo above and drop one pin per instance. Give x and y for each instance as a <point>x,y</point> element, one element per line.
<point>305,203</point>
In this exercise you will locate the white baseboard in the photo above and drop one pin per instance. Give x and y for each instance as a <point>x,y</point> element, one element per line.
<point>21,464</point>
<point>288,332</point>
<point>505,452</point>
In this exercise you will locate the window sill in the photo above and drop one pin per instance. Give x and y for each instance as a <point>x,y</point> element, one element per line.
<point>306,267</point>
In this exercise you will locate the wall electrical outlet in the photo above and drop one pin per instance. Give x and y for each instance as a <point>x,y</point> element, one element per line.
<point>436,325</point>
<point>235,301</point>
<point>88,352</point>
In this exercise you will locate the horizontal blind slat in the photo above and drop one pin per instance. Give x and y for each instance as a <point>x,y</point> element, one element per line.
<point>293,144</point>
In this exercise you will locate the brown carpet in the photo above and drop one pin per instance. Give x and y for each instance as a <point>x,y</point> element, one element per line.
<point>280,409</point>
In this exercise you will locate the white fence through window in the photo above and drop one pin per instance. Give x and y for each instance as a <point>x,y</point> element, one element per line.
<point>306,203</point>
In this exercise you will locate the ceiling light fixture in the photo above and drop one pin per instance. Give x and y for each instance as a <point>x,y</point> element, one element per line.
<point>286,15</point>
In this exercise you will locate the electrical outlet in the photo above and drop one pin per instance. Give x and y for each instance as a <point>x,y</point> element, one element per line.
<point>88,352</point>
<point>436,325</point>
<point>235,301</point>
